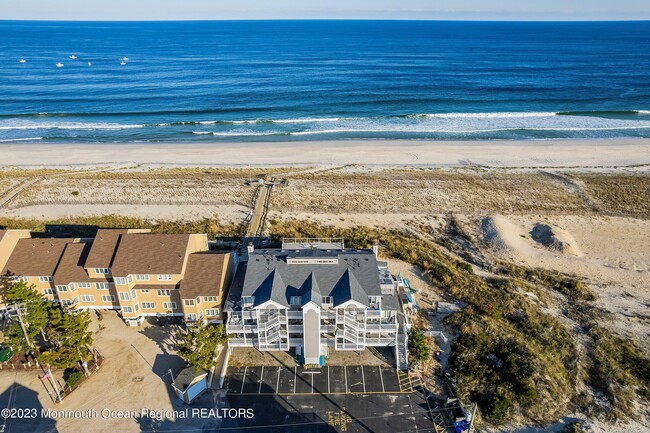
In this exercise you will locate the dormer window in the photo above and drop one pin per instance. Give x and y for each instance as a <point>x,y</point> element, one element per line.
<point>295,300</point>
<point>327,300</point>
<point>247,300</point>
<point>374,299</point>
<point>103,271</point>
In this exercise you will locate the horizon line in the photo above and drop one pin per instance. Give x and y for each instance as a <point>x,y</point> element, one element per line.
<point>532,20</point>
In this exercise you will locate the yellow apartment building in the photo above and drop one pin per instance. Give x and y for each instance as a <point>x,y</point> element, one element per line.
<point>134,271</point>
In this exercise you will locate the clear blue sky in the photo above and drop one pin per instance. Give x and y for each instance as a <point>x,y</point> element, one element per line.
<point>328,9</point>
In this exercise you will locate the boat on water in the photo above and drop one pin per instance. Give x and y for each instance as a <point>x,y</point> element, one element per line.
<point>22,61</point>
<point>122,63</point>
<point>90,64</point>
<point>73,57</point>
<point>125,59</point>
<point>59,65</point>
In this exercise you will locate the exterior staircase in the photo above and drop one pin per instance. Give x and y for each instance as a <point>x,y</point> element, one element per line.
<point>401,352</point>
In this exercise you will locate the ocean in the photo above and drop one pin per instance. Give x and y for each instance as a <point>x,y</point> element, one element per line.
<point>217,81</point>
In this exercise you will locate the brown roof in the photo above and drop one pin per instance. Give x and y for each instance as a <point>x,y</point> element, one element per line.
<point>145,253</point>
<point>34,257</point>
<point>103,249</point>
<point>2,234</point>
<point>71,266</point>
<point>203,275</point>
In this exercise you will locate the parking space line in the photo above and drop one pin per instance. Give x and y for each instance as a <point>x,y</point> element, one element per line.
<point>295,379</point>
<point>363,379</point>
<point>277,384</point>
<point>259,390</point>
<point>243,381</point>
<point>382,380</point>
<point>328,380</point>
<point>345,369</point>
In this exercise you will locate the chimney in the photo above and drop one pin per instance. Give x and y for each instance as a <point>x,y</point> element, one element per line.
<point>251,248</point>
<point>375,247</point>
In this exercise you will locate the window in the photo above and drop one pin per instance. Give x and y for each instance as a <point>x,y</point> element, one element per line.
<point>136,307</point>
<point>169,305</point>
<point>87,298</point>
<point>188,302</point>
<point>45,279</point>
<point>134,295</point>
<point>296,300</point>
<point>127,309</point>
<point>75,300</point>
<point>72,287</point>
<point>103,271</point>
<point>145,291</point>
<point>141,277</point>
<point>83,285</point>
<point>124,296</point>
<point>164,292</point>
<point>191,317</point>
<point>210,298</point>
<point>129,278</point>
<point>48,291</point>
<point>201,314</point>
<point>212,312</point>
<point>148,306</point>
<point>248,300</point>
<point>374,299</point>
<point>165,277</point>
<point>66,302</point>
<point>120,280</point>
<point>108,298</point>
<point>327,300</point>
<point>198,300</point>
<point>101,286</point>
<point>61,288</point>
<point>23,279</point>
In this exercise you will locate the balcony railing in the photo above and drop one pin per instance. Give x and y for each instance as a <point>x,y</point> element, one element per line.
<point>294,314</point>
<point>239,342</point>
<point>381,341</point>
<point>382,327</point>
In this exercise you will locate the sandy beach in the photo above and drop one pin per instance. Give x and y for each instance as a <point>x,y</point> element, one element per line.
<point>524,153</point>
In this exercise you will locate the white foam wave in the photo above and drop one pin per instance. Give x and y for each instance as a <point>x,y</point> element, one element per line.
<point>502,115</point>
<point>66,125</point>
<point>237,134</point>
<point>9,140</point>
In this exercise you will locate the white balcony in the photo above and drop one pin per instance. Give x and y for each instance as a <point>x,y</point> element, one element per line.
<point>294,314</point>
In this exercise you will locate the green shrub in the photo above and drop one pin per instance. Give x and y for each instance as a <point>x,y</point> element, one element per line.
<point>74,378</point>
<point>75,193</point>
<point>418,348</point>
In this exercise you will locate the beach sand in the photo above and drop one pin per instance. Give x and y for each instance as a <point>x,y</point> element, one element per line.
<point>561,153</point>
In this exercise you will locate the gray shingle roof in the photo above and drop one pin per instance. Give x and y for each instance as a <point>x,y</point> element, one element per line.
<point>269,276</point>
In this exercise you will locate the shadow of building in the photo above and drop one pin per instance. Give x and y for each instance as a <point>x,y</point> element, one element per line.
<point>18,397</point>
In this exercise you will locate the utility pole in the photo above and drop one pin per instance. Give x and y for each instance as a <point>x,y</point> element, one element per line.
<point>20,309</point>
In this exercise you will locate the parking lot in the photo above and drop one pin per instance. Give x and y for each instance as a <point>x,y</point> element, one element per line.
<point>330,413</point>
<point>354,379</point>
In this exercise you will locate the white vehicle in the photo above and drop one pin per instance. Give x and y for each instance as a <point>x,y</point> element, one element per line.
<point>22,61</point>
<point>59,65</point>
<point>90,64</point>
<point>125,59</point>
<point>122,63</point>
<point>73,57</point>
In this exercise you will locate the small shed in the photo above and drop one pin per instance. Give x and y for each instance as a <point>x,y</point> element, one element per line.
<point>190,383</point>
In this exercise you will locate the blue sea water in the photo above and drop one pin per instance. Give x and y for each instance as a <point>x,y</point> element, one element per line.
<point>315,80</point>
